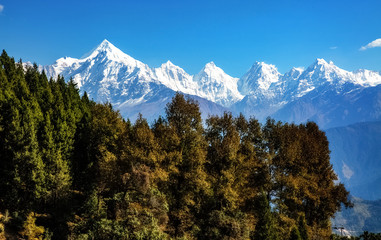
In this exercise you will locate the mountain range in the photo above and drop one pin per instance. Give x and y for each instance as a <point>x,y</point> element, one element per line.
<point>356,155</point>
<point>347,105</point>
<point>322,92</point>
<point>108,74</point>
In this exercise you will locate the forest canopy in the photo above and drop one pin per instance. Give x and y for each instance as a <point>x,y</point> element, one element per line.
<point>71,168</point>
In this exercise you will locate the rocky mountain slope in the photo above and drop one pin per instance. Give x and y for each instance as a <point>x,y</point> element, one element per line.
<point>356,157</point>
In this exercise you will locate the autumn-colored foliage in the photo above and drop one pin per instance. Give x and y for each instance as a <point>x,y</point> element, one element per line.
<point>71,168</point>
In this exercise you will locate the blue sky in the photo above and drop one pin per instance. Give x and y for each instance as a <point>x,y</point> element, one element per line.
<point>233,34</point>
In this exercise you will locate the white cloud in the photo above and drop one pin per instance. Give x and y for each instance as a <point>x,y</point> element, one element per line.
<point>1,8</point>
<point>333,48</point>
<point>375,43</point>
<point>347,172</point>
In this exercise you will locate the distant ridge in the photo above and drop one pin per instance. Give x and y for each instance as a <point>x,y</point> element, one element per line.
<point>108,74</point>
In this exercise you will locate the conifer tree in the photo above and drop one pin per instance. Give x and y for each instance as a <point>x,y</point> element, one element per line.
<point>23,166</point>
<point>172,180</point>
<point>265,228</point>
<point>57,170</point>
<point>81,159</point>
<point>106,127</point>
<point>34,81</point>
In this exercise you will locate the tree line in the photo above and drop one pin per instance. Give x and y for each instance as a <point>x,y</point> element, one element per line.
<point>71,168</point>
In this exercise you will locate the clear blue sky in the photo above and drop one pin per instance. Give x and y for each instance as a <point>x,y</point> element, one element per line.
<point>233,34</point>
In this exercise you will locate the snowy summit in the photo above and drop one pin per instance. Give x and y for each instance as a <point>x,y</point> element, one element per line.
<point>108,74</point>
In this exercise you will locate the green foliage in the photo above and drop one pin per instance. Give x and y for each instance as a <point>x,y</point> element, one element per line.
<point>266,227</point>
<point>78,168</point>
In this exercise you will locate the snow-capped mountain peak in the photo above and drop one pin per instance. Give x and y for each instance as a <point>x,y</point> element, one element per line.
<point>367,78</point>
<point>175,78</point>
<point>107,51</point>
<point>108,74</point>
<point>106,46</point>
<point>258,78</point>
<point>168,64</point>
<point>213,72</point>
<point>322,72</point>
<point>320,61</point>
<point>66,61</point>
<point>217,86</point>
<point>293,74</point>
<point>210,65</point>
<point>320,65</point>
<point>211,83</point>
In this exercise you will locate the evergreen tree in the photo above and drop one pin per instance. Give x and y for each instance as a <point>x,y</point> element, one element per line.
<point>265,228</point>
<point>23,167</point>
<point>78,168</point>
<point>57,170</point>
<point>81,159</point>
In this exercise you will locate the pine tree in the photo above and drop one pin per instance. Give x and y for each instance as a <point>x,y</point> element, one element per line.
<point>172,180</point>
<point>23,167</point>
<point>265,228</point>
<point>81,158</point>
<point>106,127</point>
<point>57,170</point>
